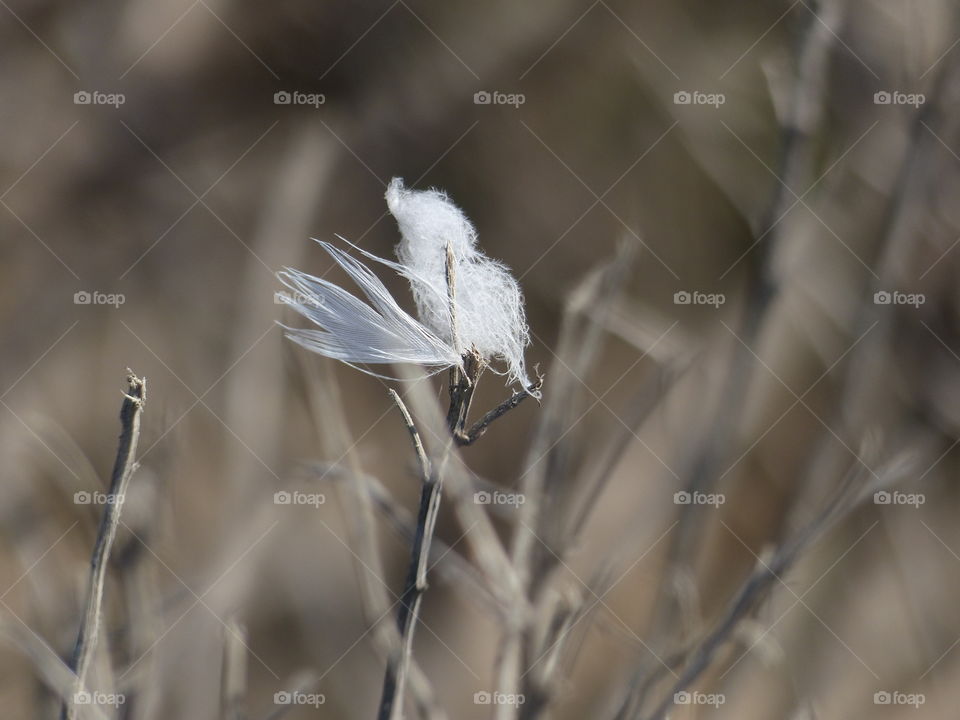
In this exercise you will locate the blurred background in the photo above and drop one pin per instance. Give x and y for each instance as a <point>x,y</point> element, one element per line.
<point>735,225</point>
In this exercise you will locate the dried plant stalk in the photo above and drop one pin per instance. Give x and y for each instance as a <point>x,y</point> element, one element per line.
<point>86,645</point>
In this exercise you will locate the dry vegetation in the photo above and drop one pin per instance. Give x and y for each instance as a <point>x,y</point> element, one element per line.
<point>735,500</point>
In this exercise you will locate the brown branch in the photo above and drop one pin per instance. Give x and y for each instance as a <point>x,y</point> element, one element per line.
<point>125,464</point>
<point>462,384</point>
<point>477,430</point>
<point>391,700</point>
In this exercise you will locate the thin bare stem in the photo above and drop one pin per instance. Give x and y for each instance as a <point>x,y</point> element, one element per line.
<point>455,569</point>
<point>125,464</point>
<point>462,384</point>
<point>391,701</point>
<point>422,458</point>
<point>477,430</point>
<point>451,276</point>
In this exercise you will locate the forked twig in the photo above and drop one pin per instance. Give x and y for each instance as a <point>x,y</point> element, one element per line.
<point>477,430</point>
<point>391,698</point>
<point>462,384</point>
<point>464,378</point>
<point>461,389</point>
<point>125,464</point>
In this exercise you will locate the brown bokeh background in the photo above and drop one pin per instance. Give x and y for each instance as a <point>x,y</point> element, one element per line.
<point>798,198</point>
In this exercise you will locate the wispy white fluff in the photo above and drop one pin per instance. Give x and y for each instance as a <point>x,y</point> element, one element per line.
<point>489,304</point>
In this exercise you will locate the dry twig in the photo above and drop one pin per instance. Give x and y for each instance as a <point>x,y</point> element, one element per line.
<point>125,464</point>
<point>391,702</point>
<point>462,384</point>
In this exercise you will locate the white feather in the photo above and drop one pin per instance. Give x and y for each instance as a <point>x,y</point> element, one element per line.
<point>489,303</point>
<point>357,332</point>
